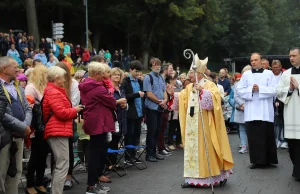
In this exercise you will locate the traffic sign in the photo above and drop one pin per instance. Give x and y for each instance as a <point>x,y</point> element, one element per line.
<point>58,36</point>
<point>57,25</point>
<point>57,30</point>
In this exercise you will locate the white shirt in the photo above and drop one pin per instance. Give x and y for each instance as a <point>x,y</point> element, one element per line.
<point>258,105</point>
<point>75,94</point>
<point>277,78</point>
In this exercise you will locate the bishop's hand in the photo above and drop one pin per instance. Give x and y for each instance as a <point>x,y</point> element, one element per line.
<point>198,87</point>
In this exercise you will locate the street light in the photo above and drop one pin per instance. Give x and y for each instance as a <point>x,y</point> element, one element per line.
<point>85,3</point>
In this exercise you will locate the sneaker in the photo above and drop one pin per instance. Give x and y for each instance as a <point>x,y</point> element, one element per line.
<point>68,185</point>
<point>168,150</point>
<point>102,188</point>
<point>164,153</point>
<point>243,150</point>
<point>94,190</point>
<point>49,187</point>
<point>284,145</point>
<point>128,162</point>
<point>279,143</point>
<point>171,147</point>
<point>81,167</point>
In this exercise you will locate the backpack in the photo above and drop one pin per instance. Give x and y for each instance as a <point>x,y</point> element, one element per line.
<point>151,78</point>
<point>38,122</point>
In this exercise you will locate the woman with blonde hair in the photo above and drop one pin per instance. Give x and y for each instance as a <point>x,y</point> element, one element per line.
<point>71,87</point>
<point>37,82</point>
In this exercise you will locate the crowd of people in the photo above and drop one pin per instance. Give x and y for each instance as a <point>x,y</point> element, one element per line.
<point>45,107</point>
<point>22,48</point>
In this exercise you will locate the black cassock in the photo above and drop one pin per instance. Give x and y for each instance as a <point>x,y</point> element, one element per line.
<point>261,142</point>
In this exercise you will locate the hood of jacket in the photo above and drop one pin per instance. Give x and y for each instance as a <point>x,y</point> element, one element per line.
<point>89,84</point>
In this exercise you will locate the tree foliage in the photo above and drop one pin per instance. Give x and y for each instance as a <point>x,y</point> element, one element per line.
<point>214,28</point>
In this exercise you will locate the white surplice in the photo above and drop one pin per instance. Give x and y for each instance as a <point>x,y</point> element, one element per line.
<point>258,105</point>
<point>291,105</point>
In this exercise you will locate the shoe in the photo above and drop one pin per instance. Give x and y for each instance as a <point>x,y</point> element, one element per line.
<point>151,159</point>
<point>94,190</point>
<point>254,166</point>
<point>243,150</point>
<point>159,157</point>
<point>284,145</point>
<point>279,143</point>
<point>41,190</point>
<point>164,153</point>
<point>180,146</point>
<point>31,191</point>
<point>128,162</point>
<point>68,185</point>
<point>168,150</point>
<point>102,188</point>
<point>81,167</point>
<point>49,187</point>
<point>105,179</point>
<point>171,147</point>
<point>138,161</point>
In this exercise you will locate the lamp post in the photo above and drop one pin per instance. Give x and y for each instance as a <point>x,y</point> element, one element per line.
<point>85,2</point>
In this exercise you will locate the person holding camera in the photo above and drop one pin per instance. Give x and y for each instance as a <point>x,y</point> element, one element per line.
<point>58,116</point>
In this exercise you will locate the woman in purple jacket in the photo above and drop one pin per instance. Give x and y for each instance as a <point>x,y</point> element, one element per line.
<point>99,120</point>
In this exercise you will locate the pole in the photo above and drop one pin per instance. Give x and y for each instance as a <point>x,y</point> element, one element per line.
<point>86,24</point>
<point>188,53</point>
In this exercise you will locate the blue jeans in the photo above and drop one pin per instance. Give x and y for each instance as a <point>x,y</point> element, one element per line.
<point>243,135</point>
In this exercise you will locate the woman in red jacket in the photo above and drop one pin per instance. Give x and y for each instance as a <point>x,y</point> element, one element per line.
<point>58,117</point>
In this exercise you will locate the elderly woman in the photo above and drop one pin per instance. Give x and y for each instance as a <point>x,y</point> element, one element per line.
<point>37,82</point>
<point>58,117</point>
<point>71,86</point>
<point>99,120</point>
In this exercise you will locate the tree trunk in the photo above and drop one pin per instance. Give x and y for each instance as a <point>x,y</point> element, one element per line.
<point>96,39</point>
<point>145,59</point>
<point>32,23</point>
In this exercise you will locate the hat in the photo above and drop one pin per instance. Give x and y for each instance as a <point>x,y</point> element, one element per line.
<point>201,64</point>
<point>21,77</point>
<point>238,76</point>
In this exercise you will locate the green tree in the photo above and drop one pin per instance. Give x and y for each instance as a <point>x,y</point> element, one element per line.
<point>249,29</point>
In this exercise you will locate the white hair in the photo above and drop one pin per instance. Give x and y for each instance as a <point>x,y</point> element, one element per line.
<point>55,72</point>
<point>4,61</point>
<point>96,67</point>
<point>79,74</point>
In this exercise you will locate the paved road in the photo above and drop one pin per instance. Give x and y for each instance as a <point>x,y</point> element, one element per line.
<point>165,177</point>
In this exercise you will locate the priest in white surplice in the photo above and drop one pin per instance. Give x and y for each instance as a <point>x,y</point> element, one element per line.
<point>288,92</point>
<point>257,88</point>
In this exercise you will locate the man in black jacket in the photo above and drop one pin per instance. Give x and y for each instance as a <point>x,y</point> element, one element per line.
<point>134,94</point>
<point>3,104</point>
